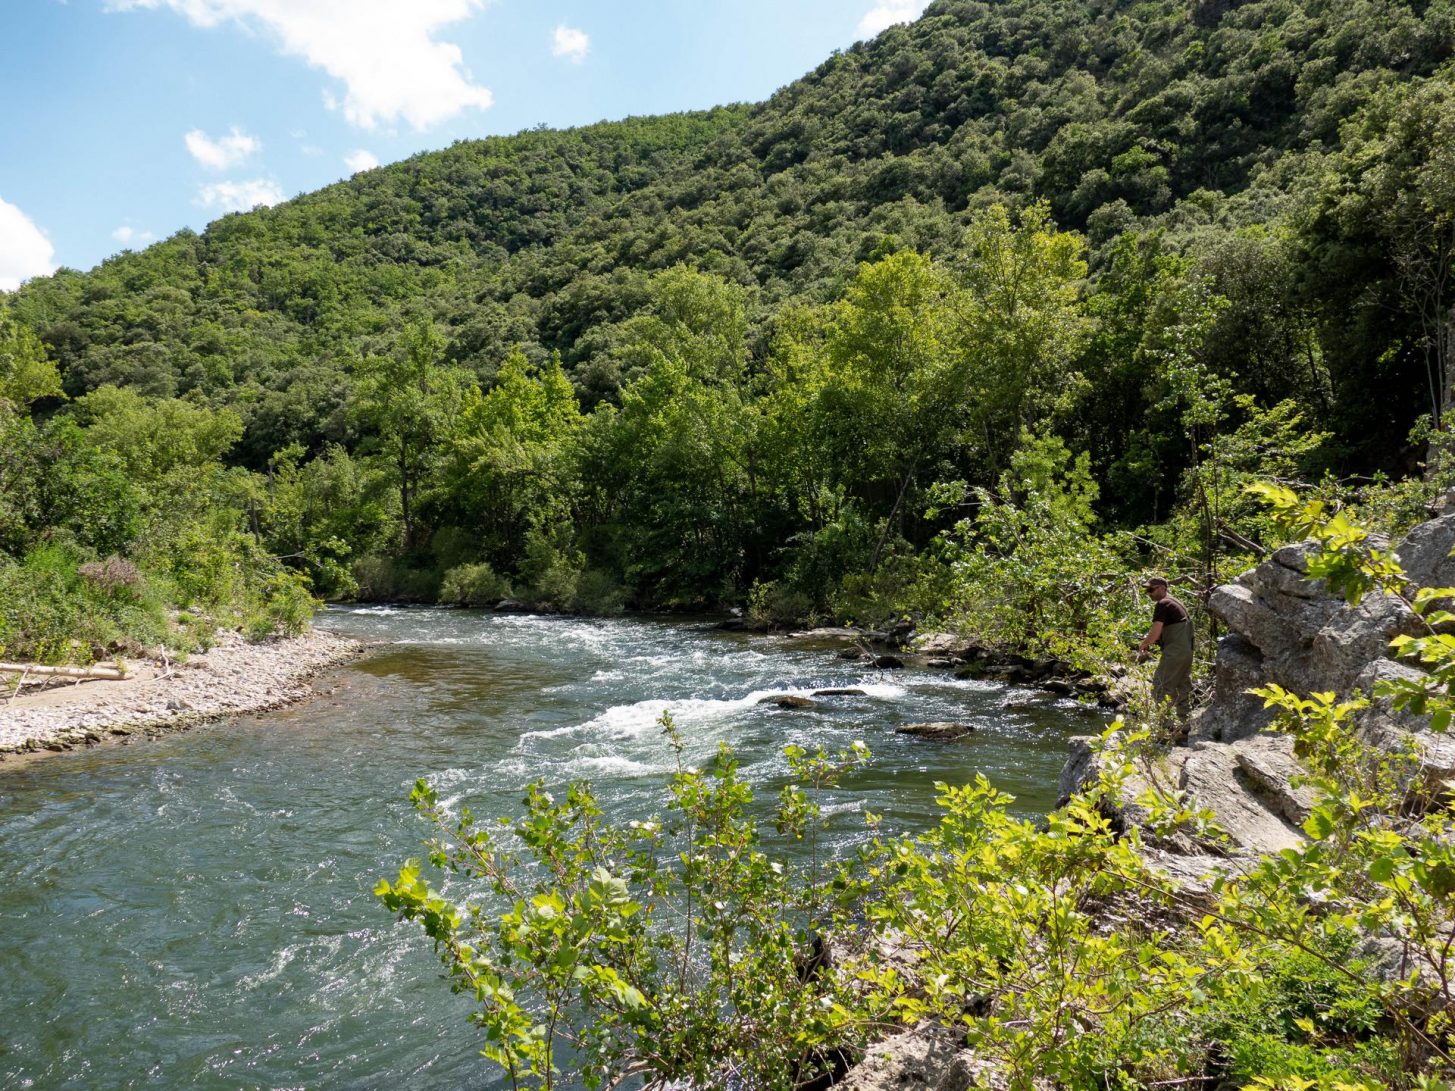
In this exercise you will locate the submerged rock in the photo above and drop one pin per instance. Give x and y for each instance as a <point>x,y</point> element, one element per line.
<point>938,730</point>
<point>846,691</point>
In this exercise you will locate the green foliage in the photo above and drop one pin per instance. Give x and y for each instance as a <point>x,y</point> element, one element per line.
<point>649,948</point>
<point>59,608</point>
<point>1349,562</point>
<point>473,585</point>
<point>27,372</point>
<point>683,947</point>
<point>1029,570</point>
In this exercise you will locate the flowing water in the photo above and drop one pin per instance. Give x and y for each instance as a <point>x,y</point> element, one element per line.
<point>197,911</point>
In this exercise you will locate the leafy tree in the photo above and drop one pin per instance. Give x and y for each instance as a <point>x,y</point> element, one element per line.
<point>408,400</point>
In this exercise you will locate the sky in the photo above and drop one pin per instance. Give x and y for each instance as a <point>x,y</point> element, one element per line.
<point>128,120</point>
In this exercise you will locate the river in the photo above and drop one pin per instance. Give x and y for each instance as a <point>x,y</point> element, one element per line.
<point>197,911</point>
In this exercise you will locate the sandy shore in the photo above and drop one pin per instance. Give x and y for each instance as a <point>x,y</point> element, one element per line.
<point>234,677</point>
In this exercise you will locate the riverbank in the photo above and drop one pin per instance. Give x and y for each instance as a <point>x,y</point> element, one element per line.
<point>233,678</point>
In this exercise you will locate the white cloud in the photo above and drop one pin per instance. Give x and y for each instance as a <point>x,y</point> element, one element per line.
<point>25,252</point>
<point>570,42</point>
<point>384,52</point>
<point>361,160</point>
<point>888,12</point>
<point>126,235</point>
<point>225,152</point>
<point>239,196</point>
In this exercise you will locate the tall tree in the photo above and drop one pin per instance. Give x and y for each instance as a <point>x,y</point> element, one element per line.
<point>407,399</point>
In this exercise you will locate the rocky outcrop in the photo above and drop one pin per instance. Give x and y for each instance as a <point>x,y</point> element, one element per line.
<point>1381,724</point>
<point>1243,785</point>
<point>1286,628</point>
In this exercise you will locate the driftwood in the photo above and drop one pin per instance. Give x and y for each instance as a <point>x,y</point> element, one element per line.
<point>111,673</point>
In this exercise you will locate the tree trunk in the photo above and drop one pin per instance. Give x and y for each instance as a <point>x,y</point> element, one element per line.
<point>110,673</point>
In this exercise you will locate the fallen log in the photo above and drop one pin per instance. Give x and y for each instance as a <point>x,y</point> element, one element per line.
<point>111,673</point>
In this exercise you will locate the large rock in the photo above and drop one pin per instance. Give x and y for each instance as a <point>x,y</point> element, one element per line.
<point>1382,725</point>
<point>1234,713</point>
<point>1211,776</point>
<point>1266,765</point>
<point>1244,786</point>
<point>928,1058</point>
<point>1425,553</point>
<point>787,700</point>
<point>1287,629</point>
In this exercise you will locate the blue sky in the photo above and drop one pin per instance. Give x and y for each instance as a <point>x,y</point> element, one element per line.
<point>130,119</point>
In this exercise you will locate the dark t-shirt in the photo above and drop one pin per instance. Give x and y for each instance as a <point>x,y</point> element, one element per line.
<point>1169,612</point>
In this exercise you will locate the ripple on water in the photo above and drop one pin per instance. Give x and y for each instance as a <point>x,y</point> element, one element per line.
<point>198,910</point>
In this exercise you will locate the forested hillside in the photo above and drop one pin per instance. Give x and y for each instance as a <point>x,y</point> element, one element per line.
<point>1022,291</point>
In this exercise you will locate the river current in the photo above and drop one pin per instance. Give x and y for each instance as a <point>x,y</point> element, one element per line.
<point>197,911</point>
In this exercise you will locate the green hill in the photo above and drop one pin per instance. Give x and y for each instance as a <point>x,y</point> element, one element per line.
<point>1253,188</point>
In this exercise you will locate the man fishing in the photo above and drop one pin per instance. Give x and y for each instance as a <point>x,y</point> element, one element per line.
<point>1172,631</point>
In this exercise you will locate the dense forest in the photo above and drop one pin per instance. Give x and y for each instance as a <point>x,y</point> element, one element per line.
<point>1015,297</point>
<point>981,322</point>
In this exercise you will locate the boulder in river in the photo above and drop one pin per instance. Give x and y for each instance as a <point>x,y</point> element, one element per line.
<point>787,700</point>
<point>888,662</point>
<point>831,633</point>
<point>938,730</point>
<point>844,691</point>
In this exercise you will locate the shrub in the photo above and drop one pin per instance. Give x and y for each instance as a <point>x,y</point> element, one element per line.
<point>473,585</point>
<point>115,577</point>
<point>288,604</point>
<point>374,578</point>
<point>773,602</point>
<point>598,593</point>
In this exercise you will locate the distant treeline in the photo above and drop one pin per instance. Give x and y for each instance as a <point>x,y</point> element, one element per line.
<point>1018,267</point>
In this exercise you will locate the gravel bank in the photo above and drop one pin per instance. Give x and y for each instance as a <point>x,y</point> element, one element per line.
<point>234,677</point>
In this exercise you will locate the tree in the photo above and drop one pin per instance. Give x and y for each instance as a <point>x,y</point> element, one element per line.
<point>408,399</point>
<point>510,465</point>
<point>1020,327</point>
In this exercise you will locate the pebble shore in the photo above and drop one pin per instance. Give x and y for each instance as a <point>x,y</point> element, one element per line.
<point>232,678</point>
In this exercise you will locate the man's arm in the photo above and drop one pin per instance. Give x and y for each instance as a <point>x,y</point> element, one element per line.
<point>1153,635</point>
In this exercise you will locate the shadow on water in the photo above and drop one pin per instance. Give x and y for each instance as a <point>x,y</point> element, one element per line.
<point>197,911</point>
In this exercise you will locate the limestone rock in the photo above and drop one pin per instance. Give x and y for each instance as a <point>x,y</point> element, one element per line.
<point>1290,630</point>
<point>1267,766</point>
<point>1210,776</point>
<point>928,1058</point>
<point>1382,725</point>
<point>939,644</point>
<point>1425,553</point>
<point>1234,714</point>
